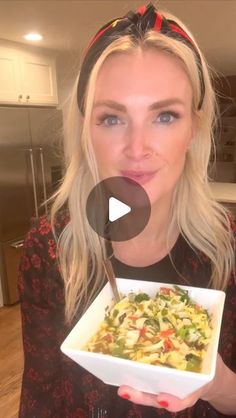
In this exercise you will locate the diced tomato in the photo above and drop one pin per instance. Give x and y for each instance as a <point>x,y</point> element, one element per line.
<point>168,345</point>
<point>133,317</point>
<point>165,291</point>
<point>167,332</point>
<point>142,332</point>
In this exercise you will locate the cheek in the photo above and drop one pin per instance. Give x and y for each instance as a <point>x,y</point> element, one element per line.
<point>175,145</point>
<point>106,154</point>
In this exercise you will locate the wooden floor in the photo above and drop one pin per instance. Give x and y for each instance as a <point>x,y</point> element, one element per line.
<point>11,361</point>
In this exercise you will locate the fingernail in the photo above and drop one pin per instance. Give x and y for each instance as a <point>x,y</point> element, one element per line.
<point>164,404</point>
<point>125,396</point>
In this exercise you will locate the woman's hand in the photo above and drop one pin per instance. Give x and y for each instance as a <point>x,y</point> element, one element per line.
<point>213,392</point>
<point>163,400</point>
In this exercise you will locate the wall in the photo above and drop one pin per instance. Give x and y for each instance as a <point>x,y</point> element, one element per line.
<point>67,64</point>
<point>227,85</point>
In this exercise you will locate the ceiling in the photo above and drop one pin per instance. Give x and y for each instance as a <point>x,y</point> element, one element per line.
<point>69,24</point>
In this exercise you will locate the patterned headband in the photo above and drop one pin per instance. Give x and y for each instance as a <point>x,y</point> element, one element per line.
<point>135,24</point>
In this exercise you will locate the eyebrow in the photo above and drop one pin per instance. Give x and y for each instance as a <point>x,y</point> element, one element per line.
<point>154,106</point>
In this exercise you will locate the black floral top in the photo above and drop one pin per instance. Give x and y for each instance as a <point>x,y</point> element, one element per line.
<point>56,387</point>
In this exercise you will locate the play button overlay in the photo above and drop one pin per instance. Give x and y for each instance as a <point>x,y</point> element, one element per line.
<point>118,208</point>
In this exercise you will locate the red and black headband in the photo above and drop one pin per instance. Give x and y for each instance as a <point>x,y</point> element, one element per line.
<point>135,24</point>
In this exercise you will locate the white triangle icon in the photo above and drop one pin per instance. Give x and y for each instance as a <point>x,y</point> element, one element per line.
<point>117,209</point>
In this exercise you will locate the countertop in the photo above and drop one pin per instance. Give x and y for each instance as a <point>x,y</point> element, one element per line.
<point>224,192</point>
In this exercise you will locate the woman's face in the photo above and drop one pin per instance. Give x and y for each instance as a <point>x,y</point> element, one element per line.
<point>142,122</point>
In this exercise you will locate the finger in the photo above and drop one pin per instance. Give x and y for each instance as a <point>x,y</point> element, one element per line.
<point>162,400</point>
<point>140,398</point>
<point>174,404</point>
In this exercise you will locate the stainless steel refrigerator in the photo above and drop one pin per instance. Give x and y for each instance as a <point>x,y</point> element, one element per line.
<point>31,166</point>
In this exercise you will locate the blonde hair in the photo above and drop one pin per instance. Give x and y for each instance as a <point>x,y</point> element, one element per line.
<point>203,222</point>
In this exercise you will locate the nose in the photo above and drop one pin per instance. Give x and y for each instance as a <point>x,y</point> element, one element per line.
<point>137,144</point>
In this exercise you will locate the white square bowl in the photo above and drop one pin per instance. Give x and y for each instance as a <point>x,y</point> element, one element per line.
<point>145,377</point>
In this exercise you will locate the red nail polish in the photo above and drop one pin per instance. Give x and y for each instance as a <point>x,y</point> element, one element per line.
<point>125,396</point>
<point>164,404</point>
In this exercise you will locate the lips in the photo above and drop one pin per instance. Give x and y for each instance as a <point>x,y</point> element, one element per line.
<point>140,177</point>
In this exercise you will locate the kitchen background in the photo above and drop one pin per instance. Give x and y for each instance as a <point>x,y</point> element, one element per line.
<point>35,82</point>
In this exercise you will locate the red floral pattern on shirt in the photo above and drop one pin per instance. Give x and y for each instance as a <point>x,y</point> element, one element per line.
<point>54,386</point>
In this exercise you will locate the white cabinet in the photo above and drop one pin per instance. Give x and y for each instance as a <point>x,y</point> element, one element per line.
<point>27,78</point>
<point>9,75</point>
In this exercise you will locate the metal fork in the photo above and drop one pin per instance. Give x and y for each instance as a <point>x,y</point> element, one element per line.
<point>111,278</point>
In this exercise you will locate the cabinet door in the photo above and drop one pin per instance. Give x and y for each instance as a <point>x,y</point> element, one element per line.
<point>10,89</point>
<point>10,256</point>
<point>38,74</point>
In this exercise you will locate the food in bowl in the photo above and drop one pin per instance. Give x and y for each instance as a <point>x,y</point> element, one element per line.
<point>117,371</point>
<point>168,330</point>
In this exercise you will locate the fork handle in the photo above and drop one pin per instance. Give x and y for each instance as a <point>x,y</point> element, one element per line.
<point>111,278</point>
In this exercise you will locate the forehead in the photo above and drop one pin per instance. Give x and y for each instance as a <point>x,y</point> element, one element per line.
<point>144,73</point>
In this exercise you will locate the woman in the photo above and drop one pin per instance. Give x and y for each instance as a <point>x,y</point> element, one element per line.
<point>146,112</point>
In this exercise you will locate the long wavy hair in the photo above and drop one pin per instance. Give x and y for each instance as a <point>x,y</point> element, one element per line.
<point>201,220</point>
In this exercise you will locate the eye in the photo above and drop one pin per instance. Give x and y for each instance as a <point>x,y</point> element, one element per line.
<point>109,120</point>
<point>167,117</point>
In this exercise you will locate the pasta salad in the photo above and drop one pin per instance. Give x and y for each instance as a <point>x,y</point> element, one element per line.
<point>169,330</point>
